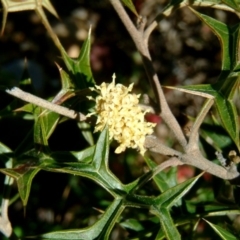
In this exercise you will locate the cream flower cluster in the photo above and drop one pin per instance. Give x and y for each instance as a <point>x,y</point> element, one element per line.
<point>119,109</point>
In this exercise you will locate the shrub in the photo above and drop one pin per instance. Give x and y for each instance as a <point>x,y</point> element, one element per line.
<point>147,173</point>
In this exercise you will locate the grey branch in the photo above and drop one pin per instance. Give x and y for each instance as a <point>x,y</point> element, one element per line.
<point>193,158</point>
<point>46,104</point>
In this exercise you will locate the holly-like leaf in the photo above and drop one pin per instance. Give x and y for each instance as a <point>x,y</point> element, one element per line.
<point>228,82</point>
<point>17,6</point>
<point>170,197</point>
<point>165,201</point>
<point>24,175</point>
<point>45,123</point>
<point>97,170</point>
<point>80,68</point>
<point>228,37</point>
<point>99,230</point>
<point>160,205</point>
<point>67,89</point>
<point>45,120</point>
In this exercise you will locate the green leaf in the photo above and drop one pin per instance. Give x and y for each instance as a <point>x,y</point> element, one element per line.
<point>224,234</point>
<point>47,4</point>
<point>97,170</point>
<point>174,194</point>
<point>45,120</point>
<point>24,175</point>
<point>233,4</point>
<point>228,114</point>
<point>225,106</point>
<point>6,155</point>
<point>44,126</point>
<point>229,86</point>
<point>160,205</point>
<point>171,232</point>
<point>132,224</point>
<point>86,132</point>
<point>99,230</point>
<point>83,67</point>
<point>163,203</point>
<point>223,33</point>
<point>163,180</point>
<point>4,148</point>
<point>84,156</point>
<point>130,5</point>
<point>219,138</point>
<point>228,37</point>
<point>10,110</point>
<point>28,165</point>
<point>80,69</point>
<point>67,89</point>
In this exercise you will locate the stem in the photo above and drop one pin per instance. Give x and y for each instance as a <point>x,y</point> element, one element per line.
<point>194,158</point>
<point>153,145</point>
<point>172,162</point>
<point>198,161</point>
<point>46,104</point>
<point>193,139</point>
<point>149,30</point>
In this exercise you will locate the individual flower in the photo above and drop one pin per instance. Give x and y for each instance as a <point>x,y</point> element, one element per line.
<point>119,109</point>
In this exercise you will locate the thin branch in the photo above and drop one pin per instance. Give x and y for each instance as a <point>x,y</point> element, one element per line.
<point>153,145</point>
<point>193,139</point>
<point>149,30</point>
<point>194,159</point>
<point>172,162</point>
<point>198,161</point>
<point>46,104</point>
<point>132,30</point>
